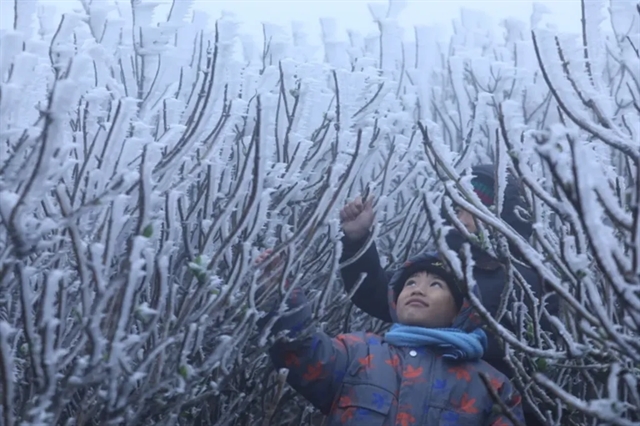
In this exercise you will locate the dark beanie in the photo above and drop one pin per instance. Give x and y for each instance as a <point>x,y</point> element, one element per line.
<point>431,263</point>
<point>483,187</point>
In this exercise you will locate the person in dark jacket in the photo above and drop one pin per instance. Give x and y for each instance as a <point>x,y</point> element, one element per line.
<point>374,295</point>
<point>425,371</point>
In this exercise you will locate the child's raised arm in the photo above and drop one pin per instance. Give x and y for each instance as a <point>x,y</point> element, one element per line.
<point>373,294</point>
<point>316,363</point>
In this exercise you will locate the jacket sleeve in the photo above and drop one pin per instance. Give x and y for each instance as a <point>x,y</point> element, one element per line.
<point>372,296</point>
<point>512,400</point>
<point>316,363</point>
<point>294,320</point>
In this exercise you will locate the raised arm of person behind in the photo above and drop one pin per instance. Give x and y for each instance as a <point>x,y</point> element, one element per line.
<point>372,296</point>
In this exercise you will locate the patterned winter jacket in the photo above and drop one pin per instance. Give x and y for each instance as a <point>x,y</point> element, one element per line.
<point>359,379</point>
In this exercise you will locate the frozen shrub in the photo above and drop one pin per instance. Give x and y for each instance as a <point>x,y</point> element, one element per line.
<point>143,166</point>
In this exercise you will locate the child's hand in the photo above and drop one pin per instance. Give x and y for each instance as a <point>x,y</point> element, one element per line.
<point>262,257</point>
<point>357,218</point>
<point>271,268</point>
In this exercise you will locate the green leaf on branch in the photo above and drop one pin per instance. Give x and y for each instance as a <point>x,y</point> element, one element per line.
<point>184,371</point>
<point>196,267</point>
<point>541,364</point>
<point>148,231</point>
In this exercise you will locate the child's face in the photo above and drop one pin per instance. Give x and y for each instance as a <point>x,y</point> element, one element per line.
<point>426,301</point>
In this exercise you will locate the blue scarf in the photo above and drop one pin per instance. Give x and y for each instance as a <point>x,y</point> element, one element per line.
<point>453,343</point>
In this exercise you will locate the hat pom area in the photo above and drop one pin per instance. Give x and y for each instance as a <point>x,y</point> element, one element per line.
<point>484,191</point>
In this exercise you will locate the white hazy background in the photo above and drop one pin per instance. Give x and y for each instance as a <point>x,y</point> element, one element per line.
<point>351,14</point>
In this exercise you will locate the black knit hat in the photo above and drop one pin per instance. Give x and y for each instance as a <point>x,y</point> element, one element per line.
<point>431,263</point>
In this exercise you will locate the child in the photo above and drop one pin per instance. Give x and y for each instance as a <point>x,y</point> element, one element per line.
<point>425,371</point>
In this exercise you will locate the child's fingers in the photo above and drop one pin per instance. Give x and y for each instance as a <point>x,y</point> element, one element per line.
<point>344,216</point>
<point>263,256</point>
<point>345,213</point>
<point>354,210</point>
<point>358,203</point>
